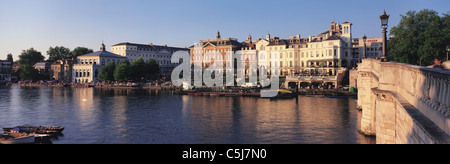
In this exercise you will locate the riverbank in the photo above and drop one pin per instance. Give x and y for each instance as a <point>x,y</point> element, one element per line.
<point>94,86</point>
<point>230,92</point>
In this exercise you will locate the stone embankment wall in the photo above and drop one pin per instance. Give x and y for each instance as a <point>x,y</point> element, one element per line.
<point>403,103</point>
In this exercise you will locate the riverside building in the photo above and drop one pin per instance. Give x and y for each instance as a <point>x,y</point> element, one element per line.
<point>161,53</point>
<point>88,66</point>
<point>314,59</point>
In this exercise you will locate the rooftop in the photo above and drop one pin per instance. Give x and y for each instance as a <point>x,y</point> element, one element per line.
<point>103,54</point>
<point>151,47</point>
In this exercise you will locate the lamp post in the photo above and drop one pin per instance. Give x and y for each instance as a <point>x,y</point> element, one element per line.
<point>384,24</point>
<point>364,51</point>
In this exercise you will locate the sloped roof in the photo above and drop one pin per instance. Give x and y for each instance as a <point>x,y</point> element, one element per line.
<point>333,37</point>
<point>152,47</point>
<point>42,64</point>
<point>104,54</point>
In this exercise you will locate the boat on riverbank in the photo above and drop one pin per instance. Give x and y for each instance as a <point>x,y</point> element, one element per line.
<point>284,94</point>
<point>34,129</point>
<point>27,134</point>
<point>21,138</point>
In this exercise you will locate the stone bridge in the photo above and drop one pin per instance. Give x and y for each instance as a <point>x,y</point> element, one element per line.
<point>404,103</point>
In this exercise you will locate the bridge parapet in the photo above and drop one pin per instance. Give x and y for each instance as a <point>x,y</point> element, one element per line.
<point>425,89</point>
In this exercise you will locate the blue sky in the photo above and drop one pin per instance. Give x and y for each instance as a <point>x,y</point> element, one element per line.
<point>71,23</point>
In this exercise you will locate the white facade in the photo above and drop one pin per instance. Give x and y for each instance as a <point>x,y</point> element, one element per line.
<point>322,54</point>
<point>161,54</point>
<point>88,66</point>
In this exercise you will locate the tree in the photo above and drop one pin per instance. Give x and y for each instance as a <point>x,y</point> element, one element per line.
<point>107,72</point>
<point>122,71</point>
<point>81,51</point>
<point>419,38</point>
<point>27,72</point>
<point>30,57</point>
<point>152,69</point>
<point>58,53</point>
<point>9,57</point>
<point>137,69</point>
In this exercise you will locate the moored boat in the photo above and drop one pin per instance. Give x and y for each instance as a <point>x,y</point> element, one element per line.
<point>21,138</point>
<point>284,93</point>
<point>198,94</point>
<point>34,129</point>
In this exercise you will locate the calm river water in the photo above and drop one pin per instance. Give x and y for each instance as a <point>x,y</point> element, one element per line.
<point>133,116</point>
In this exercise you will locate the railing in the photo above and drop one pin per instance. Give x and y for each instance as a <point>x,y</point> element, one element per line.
<point>417,84</point>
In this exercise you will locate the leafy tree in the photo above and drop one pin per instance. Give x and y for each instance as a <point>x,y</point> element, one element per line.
<point>152,69</point>
<point>81,51</point>
<point>27,72</point>
<point>107,72</point>
<point>9,57</point>
<point>419,38</point>
<point>30,57</point>
<point>122,71</point>
<point>137,69</point>
<point>58,53</point>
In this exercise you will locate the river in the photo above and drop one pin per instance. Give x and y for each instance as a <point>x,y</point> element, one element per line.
<point>141,116</point>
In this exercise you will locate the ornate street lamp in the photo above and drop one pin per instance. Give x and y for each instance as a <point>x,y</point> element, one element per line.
<point>384,24</point>
<point>364,51</point>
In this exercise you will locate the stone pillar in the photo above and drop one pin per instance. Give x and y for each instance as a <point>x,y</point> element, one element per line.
<point>434,96</point>
<point>385,114</point>
<point>446,98</point>
<point>442,96</point>
<point>366,102</point>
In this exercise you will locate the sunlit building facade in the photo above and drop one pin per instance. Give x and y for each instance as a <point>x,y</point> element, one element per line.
<point>88,66</point>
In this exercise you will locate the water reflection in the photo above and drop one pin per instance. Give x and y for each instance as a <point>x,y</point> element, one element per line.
<point>93,115</point>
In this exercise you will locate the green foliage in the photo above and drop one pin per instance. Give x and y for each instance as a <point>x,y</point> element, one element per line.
<point>419,38</point>
<point>122,71</point>
<point>107,72</point>
<point>30,57</point>
<point>27,72</point>
<point>9,57</point>
<point>58,53</point>
<point>137,69</point>
<point>152,69</point>
<point>81,51</point>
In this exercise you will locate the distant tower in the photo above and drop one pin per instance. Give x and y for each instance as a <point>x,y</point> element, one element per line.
<point>346,34</point>
<point>268,36</point>
<point>347,29</point>
<point>218,35</point>
<point>102,47</point>
<point>249,38</point>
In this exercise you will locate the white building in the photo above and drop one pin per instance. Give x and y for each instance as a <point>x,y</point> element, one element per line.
<point>88,66</point>
<point>161,54</point>
<point>323,54</point>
